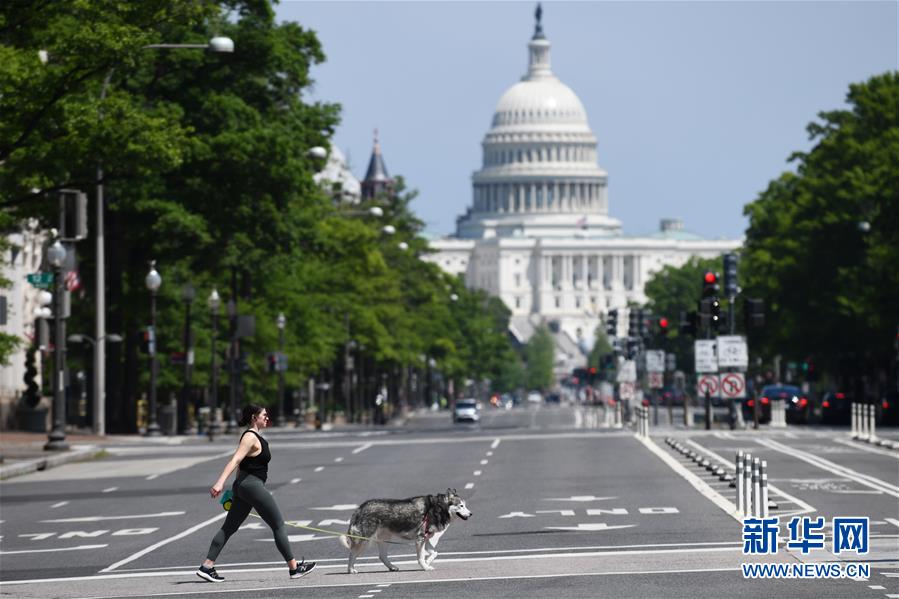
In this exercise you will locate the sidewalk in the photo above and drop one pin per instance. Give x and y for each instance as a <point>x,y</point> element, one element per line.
<point>23,452</point>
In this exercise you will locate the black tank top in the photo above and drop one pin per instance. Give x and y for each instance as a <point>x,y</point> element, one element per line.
<point>258,464</point>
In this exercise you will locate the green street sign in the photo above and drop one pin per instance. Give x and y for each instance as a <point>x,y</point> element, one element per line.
<point>41,280</point>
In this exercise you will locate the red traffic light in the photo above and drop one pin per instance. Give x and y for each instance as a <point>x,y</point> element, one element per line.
<point>710,278</point>
<point>593,370</point>
<point>663,323</point>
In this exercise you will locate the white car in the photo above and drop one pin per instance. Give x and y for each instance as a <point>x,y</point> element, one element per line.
<point>535,397</point>
<point>468,410</point>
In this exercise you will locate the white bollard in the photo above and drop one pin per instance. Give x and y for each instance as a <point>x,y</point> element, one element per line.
<point>862,422</point>
<point>747,484</point>
<point>739,483</point>
<point>756,489</point>
<point>618,415</point>
<point>872,422</point>
<point>853,422</point>
<point>764,483</point>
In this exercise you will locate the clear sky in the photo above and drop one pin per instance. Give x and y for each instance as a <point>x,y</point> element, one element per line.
<point>696,105</point>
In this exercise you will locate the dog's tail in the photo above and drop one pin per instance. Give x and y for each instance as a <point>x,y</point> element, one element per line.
<point>344,540</point>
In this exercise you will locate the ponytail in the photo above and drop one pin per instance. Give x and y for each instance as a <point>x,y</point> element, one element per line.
<point>249,412</point>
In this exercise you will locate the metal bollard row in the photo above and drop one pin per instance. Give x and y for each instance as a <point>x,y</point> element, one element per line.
<point>752,486</point>
<point>864,422</point>
<point>642,414</point>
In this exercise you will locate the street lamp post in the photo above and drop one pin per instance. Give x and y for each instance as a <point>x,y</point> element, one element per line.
<point>216,44</point>
<point>214,302</point>
<point>232,368</point>
<point>56,440</point>
<point>153,281</point>
<point>282,322</point>
<point>188,294</point>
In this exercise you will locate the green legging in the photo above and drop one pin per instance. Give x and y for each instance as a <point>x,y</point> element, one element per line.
<point>250,493</point>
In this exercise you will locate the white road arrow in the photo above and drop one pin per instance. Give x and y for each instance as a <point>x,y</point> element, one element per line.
<point>590,527</point>
<point>579,498</point>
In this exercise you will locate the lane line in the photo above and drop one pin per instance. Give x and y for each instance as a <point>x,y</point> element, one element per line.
<point>110,490</point>
<point>893,521</point>
<point>98,518</point>
<point>264,590</point>
<point>164,542</point>
<point>338,460</point>
<point>152,477</point>
<point>868,448</point>
<point>698,484</point>
<point>362,448</point>
<point>372,558</point>
<point>78,548</point>
<point>319,468</point>
<point>489,453</point>
<point>864,479</point>
<point>411,562</point>
<point>484,462</point>
<point>294,481</point>
<point>477,473</point>
<point>495,444</point>
<point>60,504</point>
<point>469,485</point>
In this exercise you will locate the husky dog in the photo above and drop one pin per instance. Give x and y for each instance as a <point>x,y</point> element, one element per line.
<point>423,519</point>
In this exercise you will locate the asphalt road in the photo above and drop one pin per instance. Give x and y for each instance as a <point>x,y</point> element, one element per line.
<point>561,506</point>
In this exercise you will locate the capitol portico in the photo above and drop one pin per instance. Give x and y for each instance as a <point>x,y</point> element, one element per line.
<point>538,232</point>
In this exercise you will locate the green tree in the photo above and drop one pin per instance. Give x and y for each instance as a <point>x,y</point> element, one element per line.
<point>540,357</point>
<point>821,247</point>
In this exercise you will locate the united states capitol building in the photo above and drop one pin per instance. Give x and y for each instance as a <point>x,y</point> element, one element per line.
<point>538,233</point>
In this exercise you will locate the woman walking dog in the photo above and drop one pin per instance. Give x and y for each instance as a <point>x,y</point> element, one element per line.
<point>251,457</point>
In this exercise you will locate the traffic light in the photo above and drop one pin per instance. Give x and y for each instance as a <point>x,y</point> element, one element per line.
<point>663,326</point>
<point>612,323</point>
<point>730,276</point>
<point>754,313</point>
<point>643,318</point>
<point>687,324</point>
<point>633,323</point>
<point>715,312</point>
<point>709,284</point>
<point>273,362</point>
<point>592,374</point>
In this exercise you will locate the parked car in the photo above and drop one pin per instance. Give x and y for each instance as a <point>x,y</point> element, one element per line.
<point>535,397</point>
<point>672,396</point>
<point>553,398</point>
<point>836,408</point>
<point>468,410</point>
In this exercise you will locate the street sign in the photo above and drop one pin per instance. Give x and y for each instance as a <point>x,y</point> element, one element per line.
<point>670,362</point>
<point>656,380</point>
<point>655,360</point>
<point>733,385</point>
<point>732,352</point>
<point>41,280</point>
<point>626,391</point>
<point>706,360</point>
<point>627,372</point>
<point>707,384</point>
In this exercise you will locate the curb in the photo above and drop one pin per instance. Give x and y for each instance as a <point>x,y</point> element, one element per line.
<point>43,463</point>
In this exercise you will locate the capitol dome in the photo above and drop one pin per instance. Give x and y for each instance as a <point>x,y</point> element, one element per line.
<point>539,174</point>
